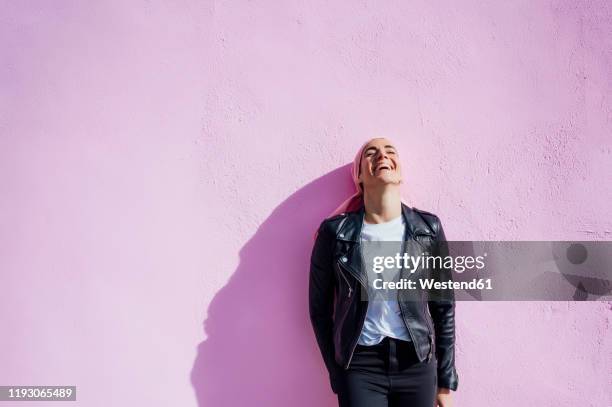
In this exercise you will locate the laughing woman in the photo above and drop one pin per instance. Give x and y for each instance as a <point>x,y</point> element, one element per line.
<point>379,352</point>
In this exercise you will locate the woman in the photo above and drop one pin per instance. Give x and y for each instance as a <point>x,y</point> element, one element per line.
<point>379,352</point>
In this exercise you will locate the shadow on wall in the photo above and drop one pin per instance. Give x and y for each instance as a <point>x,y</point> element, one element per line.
<point>260,348</point>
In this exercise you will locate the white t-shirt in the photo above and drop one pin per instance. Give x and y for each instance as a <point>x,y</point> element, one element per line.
<point>383,317</point>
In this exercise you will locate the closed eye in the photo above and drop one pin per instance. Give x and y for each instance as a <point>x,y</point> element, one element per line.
<point>372,150</point>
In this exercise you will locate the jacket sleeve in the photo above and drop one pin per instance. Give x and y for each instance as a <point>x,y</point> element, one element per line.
<point>442,310</point>
<point>321,301</point>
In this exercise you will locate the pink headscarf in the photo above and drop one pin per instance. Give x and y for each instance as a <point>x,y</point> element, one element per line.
<point>355,201</point>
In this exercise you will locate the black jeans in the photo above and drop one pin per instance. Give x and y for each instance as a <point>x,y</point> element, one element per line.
<point>388,374</point>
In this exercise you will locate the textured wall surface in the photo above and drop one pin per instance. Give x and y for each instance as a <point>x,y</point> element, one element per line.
<point>163,166</point>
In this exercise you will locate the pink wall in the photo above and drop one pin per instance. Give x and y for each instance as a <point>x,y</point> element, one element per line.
<point>163,166</point>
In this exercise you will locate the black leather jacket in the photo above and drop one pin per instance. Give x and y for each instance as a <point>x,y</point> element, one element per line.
<point>336,282</point>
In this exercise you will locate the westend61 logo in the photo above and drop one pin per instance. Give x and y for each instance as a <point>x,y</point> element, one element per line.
<point>428,262</point>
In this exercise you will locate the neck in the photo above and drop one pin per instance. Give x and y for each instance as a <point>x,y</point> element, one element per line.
<point>382,205</point>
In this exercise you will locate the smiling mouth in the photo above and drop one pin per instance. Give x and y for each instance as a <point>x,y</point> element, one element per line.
<point>381,168</point>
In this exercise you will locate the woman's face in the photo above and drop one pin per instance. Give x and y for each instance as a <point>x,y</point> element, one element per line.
<point>379,164</point>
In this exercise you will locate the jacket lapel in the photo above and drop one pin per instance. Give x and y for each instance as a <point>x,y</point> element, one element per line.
<point>350,228</point>
<point>350,232</point>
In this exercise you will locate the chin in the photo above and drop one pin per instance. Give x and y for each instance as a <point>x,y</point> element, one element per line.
<point>389,180</point>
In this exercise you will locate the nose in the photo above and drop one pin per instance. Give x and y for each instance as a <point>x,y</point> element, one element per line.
<point>381,155</point>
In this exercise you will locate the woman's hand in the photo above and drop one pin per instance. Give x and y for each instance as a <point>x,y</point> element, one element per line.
<point>443,398</point>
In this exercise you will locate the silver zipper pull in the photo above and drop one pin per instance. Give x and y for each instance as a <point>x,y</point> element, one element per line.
<point>344,259</point>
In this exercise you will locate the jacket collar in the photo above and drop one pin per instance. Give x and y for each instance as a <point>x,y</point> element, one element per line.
<point>350,229</point>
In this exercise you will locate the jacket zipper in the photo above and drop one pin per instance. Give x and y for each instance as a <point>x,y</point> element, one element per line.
<point>427,316</point>
<point>431,330</point>
<point>430,327</point>
<point>357,337</point>
<point>402,311</point>
<point>362,319</point>
<point>346,280</point>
